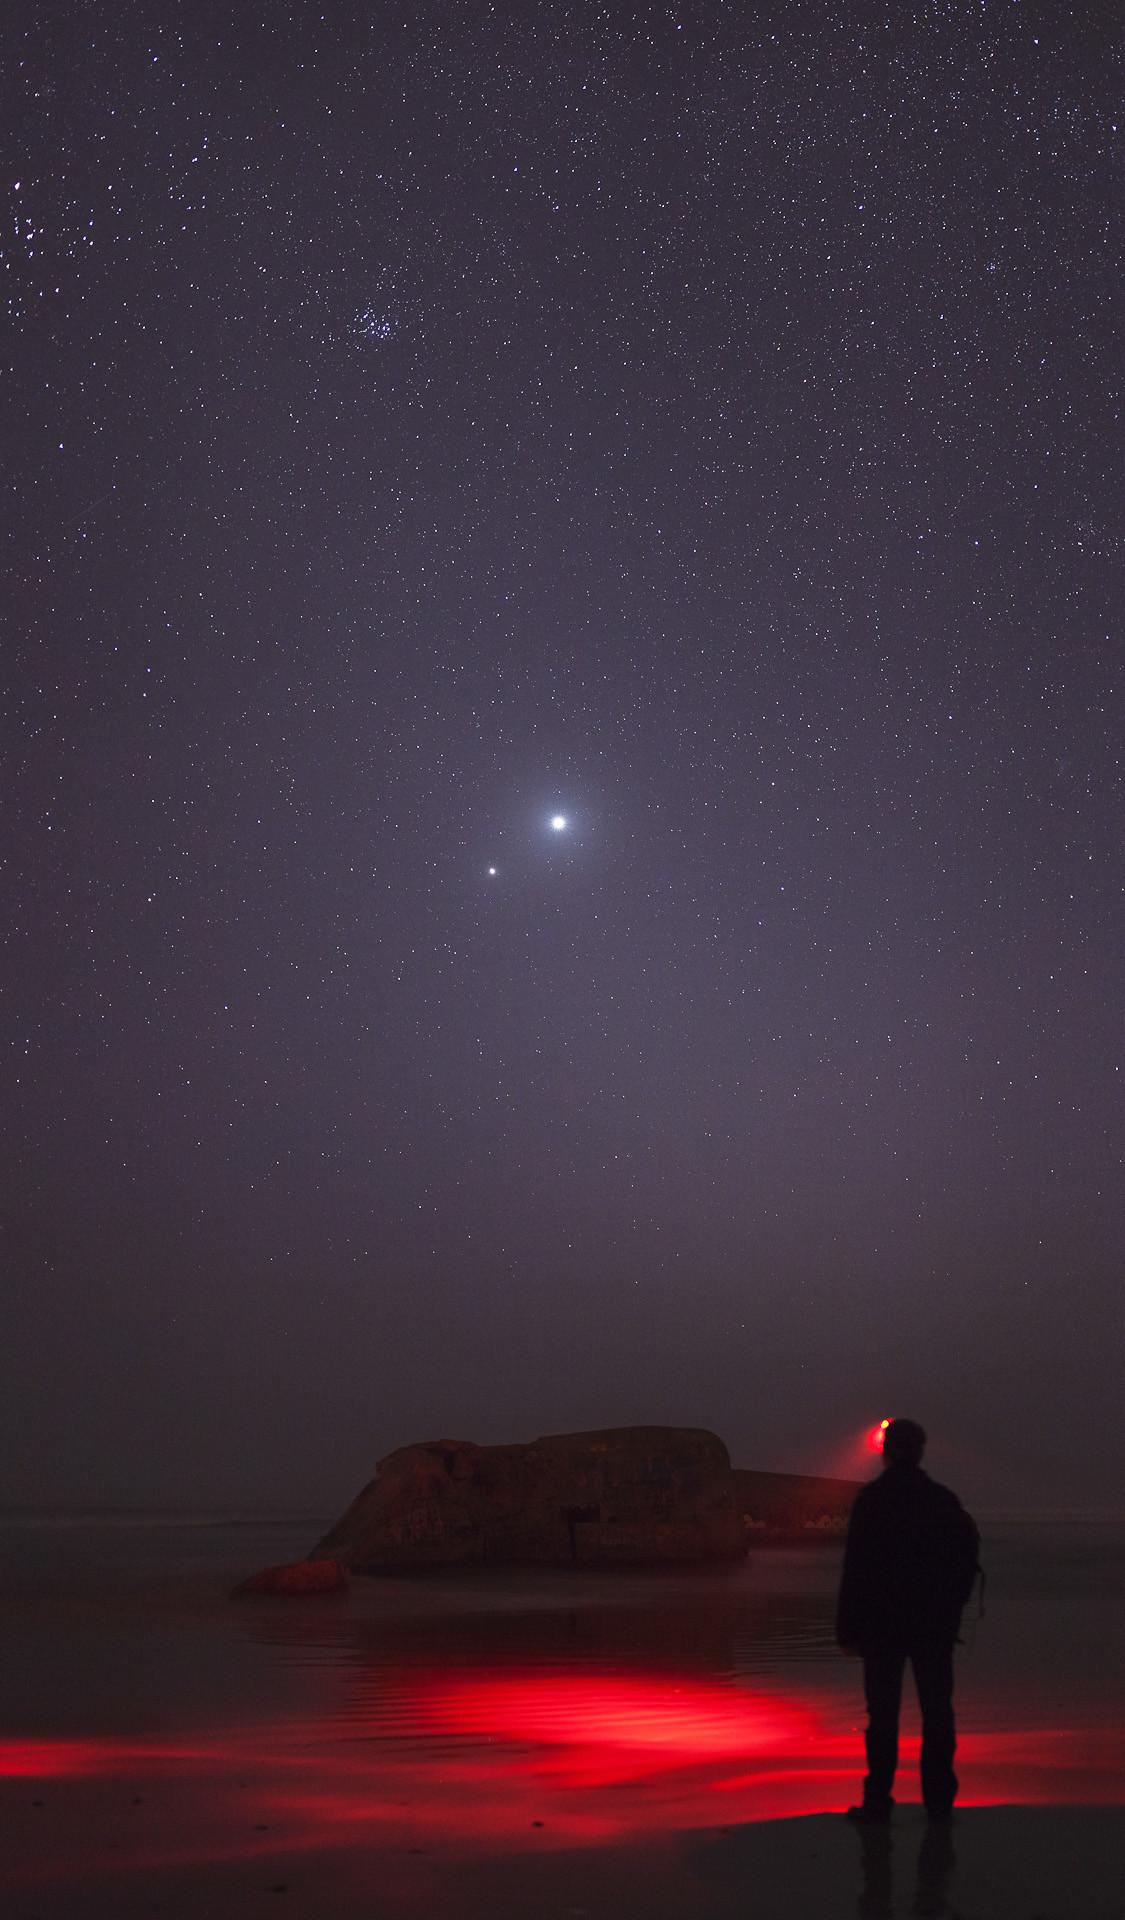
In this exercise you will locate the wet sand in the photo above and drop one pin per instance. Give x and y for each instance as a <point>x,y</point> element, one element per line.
<point>128,1849</point>
<point>534,1746</point>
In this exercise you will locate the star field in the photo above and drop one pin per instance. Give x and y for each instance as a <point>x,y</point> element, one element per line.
<point>700,427</point>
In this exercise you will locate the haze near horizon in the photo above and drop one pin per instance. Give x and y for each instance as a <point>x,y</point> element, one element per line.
<point>565,767</point>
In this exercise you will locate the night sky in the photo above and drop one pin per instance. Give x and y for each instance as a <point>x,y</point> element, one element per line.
<point>700,424</point>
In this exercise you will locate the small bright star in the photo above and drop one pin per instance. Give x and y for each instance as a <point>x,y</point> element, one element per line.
<point>558,821</point>
<point>492,870</point>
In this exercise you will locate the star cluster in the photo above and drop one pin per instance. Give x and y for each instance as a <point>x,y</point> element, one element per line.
<point>565,769</point>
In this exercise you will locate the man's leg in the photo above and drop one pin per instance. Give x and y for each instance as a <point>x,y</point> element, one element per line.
<point>882,1683</point>
<point>933,1677</point>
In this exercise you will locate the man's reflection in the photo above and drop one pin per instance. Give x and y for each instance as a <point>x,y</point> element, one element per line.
<point>875,1901</point>
<point>933,1881</point>
<point>936,1862</point>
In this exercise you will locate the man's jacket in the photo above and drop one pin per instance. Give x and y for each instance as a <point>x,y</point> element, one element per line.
<point>909,1564</point>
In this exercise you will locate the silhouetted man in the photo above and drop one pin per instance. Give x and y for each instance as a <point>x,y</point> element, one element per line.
<point>909,1566</point>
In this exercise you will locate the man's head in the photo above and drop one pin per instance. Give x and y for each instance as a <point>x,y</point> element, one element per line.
<point>904,1443</point>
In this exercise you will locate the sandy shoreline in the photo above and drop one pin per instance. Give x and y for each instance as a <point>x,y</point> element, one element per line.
<point>127,1848</point>
<point>560,1750</point>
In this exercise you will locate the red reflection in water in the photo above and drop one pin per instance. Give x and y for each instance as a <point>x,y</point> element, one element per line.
<point>675,1720</point>
<point>488,1761</point>
<point>71,1759</point>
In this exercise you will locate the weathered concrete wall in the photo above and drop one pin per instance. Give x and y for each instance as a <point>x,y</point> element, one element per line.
<point>627,1495</point>
<point>792,1505</point>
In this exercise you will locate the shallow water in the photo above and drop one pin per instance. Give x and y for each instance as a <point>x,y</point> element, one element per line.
<point>478,1710</point>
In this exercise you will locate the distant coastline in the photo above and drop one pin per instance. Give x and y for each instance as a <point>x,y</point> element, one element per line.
<point>187,1517</point>
<point>62,1515</point>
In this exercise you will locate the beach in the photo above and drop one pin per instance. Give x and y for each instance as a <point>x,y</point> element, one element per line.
<point>549,1743</point>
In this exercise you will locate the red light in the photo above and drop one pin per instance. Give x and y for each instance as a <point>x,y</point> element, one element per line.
<point>877,1436</point>
<point>676,1721</point>
<point>453,1764</point>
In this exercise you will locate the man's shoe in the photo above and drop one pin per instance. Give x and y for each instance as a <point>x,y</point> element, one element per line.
<point>873,1813</point>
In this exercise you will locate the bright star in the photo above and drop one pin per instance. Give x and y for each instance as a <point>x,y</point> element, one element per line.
<point>492,870</point>
<point>558,821</point>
